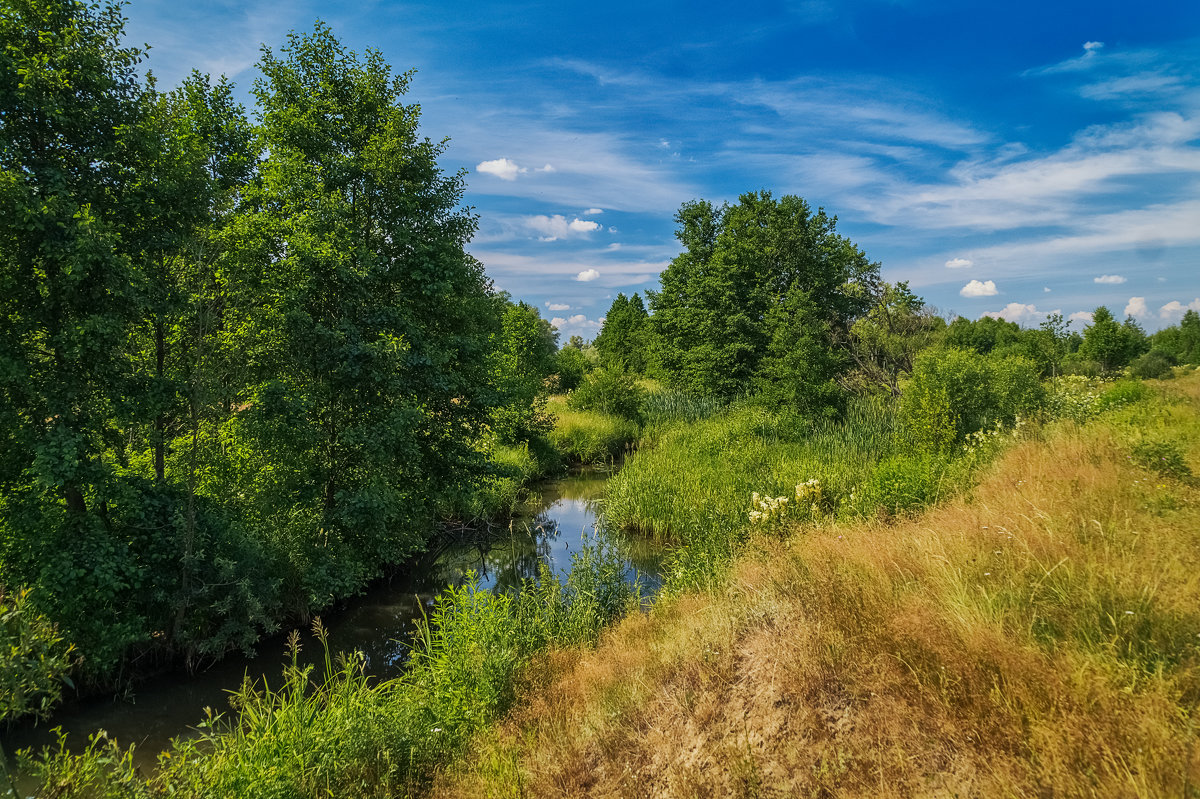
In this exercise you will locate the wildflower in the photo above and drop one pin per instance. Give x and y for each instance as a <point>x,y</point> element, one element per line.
<point>1129,613</point>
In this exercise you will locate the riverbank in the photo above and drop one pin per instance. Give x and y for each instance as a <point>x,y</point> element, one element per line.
<point>1037,634</point>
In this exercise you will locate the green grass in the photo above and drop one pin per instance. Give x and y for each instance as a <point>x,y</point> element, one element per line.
<point>586,436</point>
<point>340,734</point>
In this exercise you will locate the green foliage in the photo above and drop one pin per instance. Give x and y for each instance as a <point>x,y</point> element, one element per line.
<point>241,366</point>
<point>1155,364</point>
<point>885,340</point>
<point>609,391</point>
<point>665,406</point>
<point>955,392</point>
<point>761,296</point>
<point>34,659</point>
<point>1163,456</point>
<point>340,734</point>
<point>591,436</point>
<point>627,342</point>
<point>570,365</point>
<point>523,361</point>
<point>903,484</point>
<point>1110,344</point>
<point>1123,392</point>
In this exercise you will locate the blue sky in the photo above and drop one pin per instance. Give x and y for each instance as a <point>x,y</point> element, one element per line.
<point>1015,158</point>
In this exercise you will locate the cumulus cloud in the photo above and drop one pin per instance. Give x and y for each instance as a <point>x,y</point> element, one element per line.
<point>546,168</point>
<point>587,275</point>
<point>1091,47</point>
<point>577,324</point>
<point>977,289</point>
<point>959,263</point>
<point>557,227</point>
<point>1137,307</point>
<point>558,306</point>
<point>501,168</point>
<point>1113,279</point>
<point>593,211</point>
<point>1080,316</point>
<point>1046,289</point>
<point>1175,308</point>
<point>1020,312</point>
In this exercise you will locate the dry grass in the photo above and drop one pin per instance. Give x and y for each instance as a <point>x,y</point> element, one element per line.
<point>1039,638</point>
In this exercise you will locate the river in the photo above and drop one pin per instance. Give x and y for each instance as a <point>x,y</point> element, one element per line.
<point>551,525</point>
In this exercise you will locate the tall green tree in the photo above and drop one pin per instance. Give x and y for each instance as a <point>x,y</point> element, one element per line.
<point>364,322</point>
<point>1109,343</point>
<point>524,360</point>
<point>762,297</point>
<point>625,342</point>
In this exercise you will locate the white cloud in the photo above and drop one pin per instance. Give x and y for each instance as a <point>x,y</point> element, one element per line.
<point>546,168</point>
<point>577,324</point>
<point>557,227</point>
<point>1046,289</point>
<point>1091,47</point>
<point>616,245</point>
<point>959,263</point>
<point>1175,308</point>
<point>1020,312</point>
<point>593,211</point>
<point>1112,279</point>
<point>1137,307</point>
<point>587,275</point>
<point>1080,316</point>
<point>558,306</point>
<point>977,289</point>
<point>501,168</point>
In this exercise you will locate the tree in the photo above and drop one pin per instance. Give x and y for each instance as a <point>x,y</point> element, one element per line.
<point>364,324</point>
<point>885,340</point>
<point>1110,344</point>
<point>625,341</point>
<point>754,279</point>
<point>524,359</point>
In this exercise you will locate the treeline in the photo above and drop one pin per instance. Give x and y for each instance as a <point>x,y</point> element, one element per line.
<point>767,300</point>
<point>245,361</point>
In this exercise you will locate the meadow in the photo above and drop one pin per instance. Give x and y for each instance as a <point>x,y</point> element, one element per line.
<point>1037,634</point>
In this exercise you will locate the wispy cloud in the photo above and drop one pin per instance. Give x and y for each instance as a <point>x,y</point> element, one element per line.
<point>1109,279</point>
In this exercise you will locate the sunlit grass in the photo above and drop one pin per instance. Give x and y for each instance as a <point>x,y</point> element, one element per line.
<point>1039,635</point>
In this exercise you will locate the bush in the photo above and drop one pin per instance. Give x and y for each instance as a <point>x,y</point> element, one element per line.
<point>1124,392</point>
<point>903,484</point>
<point>1154,365</point>
<point>570,365</point>
<point>34,659</point>
<point>953,393</point>
<point>609,391</point>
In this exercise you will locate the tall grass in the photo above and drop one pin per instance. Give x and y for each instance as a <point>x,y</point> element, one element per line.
<point>340,734</point>
<point>1037,637</point>
<point>589,436</point>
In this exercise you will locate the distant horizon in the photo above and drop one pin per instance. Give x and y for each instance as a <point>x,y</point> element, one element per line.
<point>1018,161</point>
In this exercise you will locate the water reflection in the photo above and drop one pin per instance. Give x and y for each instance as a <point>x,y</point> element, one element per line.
<point>550,528</point>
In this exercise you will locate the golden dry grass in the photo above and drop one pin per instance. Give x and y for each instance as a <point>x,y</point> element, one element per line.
<point>1039,638</point>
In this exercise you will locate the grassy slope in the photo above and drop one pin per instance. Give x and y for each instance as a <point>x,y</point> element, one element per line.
<point>1040,637</point>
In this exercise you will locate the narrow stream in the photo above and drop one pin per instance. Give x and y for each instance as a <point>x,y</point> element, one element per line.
<point>551,526</point>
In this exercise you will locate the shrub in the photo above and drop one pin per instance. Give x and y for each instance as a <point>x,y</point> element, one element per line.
<point>34,659</point>
<point>1154,365</point>
<point>903,484</point>
<point>953,393</point>
<point>609,391</point>
<point>1124,392</point>
<point>570,365</point>
<point>1163,456</point>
